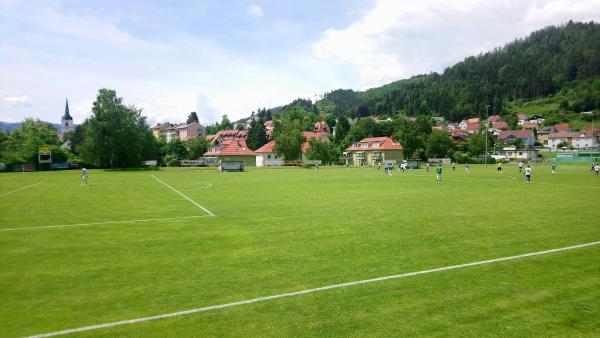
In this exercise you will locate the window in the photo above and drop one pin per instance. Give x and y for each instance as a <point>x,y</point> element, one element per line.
<point>269,156</point>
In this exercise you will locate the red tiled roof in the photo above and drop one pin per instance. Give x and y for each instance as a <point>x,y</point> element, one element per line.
<point>230,147</point>
<point>387,144</point>
<point>473,120</point>
<point>563,135</point>
<point>521,116</point>
<point>267,148</point>
<point>269,123</point>
<point>500,125</point>
<point>515,133</point>
<point>595,131</point>
<point>472,127</point>
<point>562,127</point>
<point>309,135</point>
<point>494,118</point>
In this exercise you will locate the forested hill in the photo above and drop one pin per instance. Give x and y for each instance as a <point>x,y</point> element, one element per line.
<point>539,65</point>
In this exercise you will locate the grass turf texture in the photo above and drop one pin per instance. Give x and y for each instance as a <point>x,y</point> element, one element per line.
<point>282,230</point>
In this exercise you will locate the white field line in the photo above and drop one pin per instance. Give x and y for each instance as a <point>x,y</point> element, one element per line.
<point>303,292</point>
<point>22,188</point>
<point>100,223</point>
<point>208,185</point>
<point>184,196</point>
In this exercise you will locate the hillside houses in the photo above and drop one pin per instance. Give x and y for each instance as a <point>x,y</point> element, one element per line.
<point>181,131</point>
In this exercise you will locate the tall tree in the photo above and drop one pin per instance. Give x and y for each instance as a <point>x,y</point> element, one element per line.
<point>225,123</point>
<point>257,136</point>
<point>193,117</point>
<point>116,135</point>
<point>289,139</point>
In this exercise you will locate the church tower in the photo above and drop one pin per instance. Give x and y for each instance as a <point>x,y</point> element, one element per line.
<point>66,122</point>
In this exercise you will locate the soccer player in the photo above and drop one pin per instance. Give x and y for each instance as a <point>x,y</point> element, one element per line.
<point>453,166</point>
<point>499,170</point>
<point>427,166</point>
<point>389,168</point>
<point>438,172</point>
<point>553,167</point>
<point>528,174</point>
<point>467,168</point>
<point>84,176</point>
<point>520,166</point>
<point>596,169</point>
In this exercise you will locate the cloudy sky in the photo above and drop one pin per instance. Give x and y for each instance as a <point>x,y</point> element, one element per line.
<point>232,57</point>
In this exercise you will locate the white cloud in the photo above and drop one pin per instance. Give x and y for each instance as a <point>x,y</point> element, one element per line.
<point>16,99</point>
<point>255,11</point>
<point>397,39</point>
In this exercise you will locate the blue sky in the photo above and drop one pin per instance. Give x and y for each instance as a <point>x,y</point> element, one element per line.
<point>232,57</point>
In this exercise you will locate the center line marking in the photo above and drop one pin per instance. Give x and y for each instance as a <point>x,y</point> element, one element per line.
<point>23,188</point>
<point>184,196</point>
<point>303,292</point>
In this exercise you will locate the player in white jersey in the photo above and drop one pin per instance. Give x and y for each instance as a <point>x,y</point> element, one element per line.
<point>84,176</point>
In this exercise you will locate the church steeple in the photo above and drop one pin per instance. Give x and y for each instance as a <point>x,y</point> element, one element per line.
<point>67,116</point>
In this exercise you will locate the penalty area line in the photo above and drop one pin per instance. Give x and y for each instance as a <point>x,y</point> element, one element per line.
<point>303,292</point>
<point>184,196</point>
<point>22,188</point>
<point>101,223</point>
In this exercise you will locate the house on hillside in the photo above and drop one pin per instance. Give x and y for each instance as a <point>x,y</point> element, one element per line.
<point>563,128</point>
<point>472,127</point>
<point>585,139</point>
<point>182,131</point>
<point>542,134</point>
<point>269,126</point>
<point>494,118</point>
<point>511,135</point>
<point>498,126</point>
<point>322,127</point>
<point>373,150</point>
<point>521,118</point>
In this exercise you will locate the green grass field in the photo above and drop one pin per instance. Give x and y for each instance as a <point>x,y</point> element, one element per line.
<point>285,230</point>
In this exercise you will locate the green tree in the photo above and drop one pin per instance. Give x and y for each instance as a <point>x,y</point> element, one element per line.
<point>319,150</point>
<point>193,117</point>
<point>196,147</point>
<point>225,123</point>
<point>341,129</point>
<point>288,139</point>
<point>257,135</point>
<point>116,135</point>
<point>439,144</point>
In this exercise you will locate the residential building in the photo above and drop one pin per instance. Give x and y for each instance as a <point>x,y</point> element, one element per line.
<point>269,126</point>
<point>322,127</point>
<point>511,135</point>
<point>494,118</point>
<point>554,139</point>
<point>472,127</point>
<point>230,145</point>
<point>517,155</point>
<point>522,118</point>
<point>373,150</point>
<point>182,131</point>
<point>265,156</point>
<point>563,128</point>
<point>542,134</point>
<point>584,141</point>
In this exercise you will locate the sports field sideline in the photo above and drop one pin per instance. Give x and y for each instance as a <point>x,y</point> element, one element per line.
<point>137,244</point>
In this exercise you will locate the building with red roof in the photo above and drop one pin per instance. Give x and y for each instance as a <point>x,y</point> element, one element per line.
<point>230,145</point>
<point>494,118</point>
<point>373,150</point>
<point>562,128</point>
<point>265,155</point>
<point>512,135</point>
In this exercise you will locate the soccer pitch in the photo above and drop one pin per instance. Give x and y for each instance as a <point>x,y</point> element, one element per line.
<point>138,244</point>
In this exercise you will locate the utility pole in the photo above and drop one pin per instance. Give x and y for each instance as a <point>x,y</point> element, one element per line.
<point>486,137</point>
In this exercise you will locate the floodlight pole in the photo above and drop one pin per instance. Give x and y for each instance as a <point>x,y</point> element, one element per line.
<point>486,137</point>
